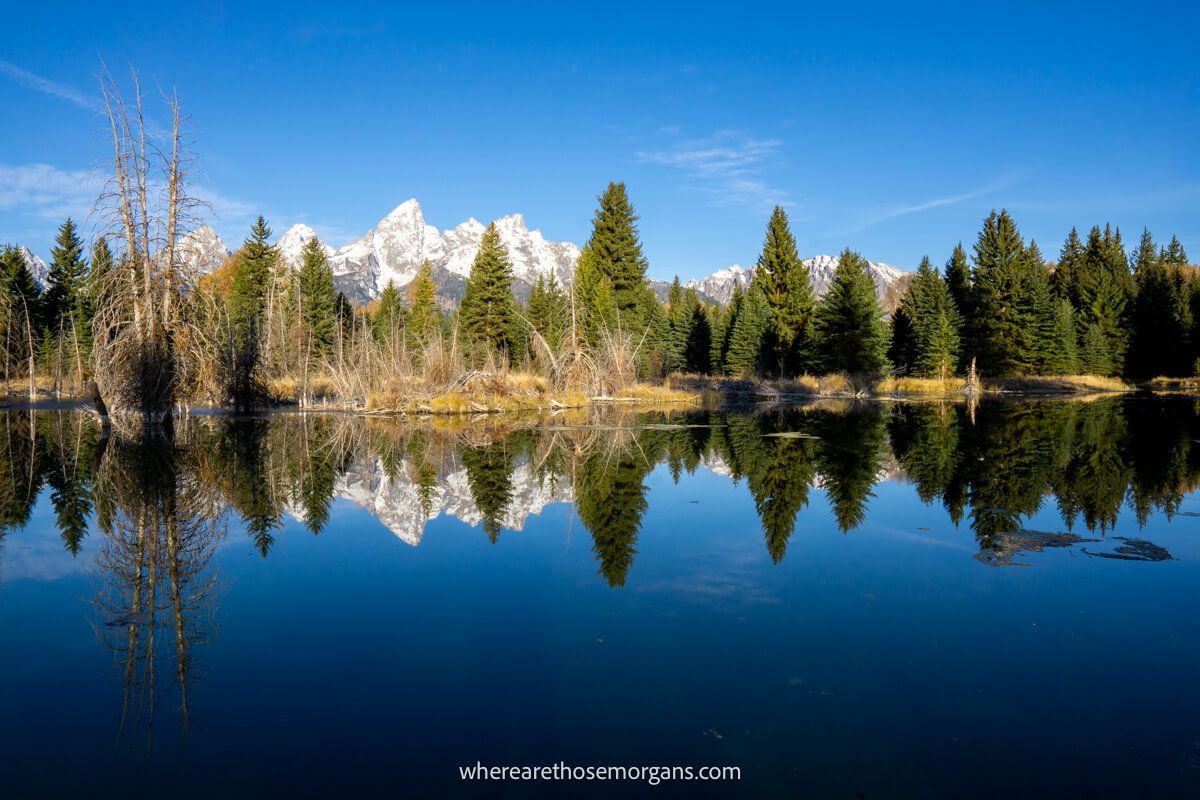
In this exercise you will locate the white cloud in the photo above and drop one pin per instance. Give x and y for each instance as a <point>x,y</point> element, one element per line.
<point>938,202</point>
<point>728,165</point>
<point>46,86</point>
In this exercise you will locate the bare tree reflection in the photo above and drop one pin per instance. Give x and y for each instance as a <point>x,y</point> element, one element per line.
<point>156,586</point>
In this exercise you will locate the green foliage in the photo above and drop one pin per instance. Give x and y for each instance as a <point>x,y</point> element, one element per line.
<point>251,283</point>
<point>388,322</point>
<point>926,327</point>
<point>63,302</point>
<point>424,319</point>
<point>488,315</point>
<point>617,252</point>
<point>489,478</point>
<point>1094,356</point>
<point>848,322</point>
<point>1160,318</point>
<point>1062,357</point>
<point>1005,279</point>
<point>1063,281</point>
<point>786,288</point>
<point>1103,288</point>
<point>548,311</point>
<point>747,324</point>
<point>318,298</point>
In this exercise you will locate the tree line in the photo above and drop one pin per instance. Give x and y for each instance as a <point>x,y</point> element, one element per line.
<point>1091,460</point>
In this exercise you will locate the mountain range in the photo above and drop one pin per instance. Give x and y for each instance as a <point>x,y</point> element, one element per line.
<point>395,248</point>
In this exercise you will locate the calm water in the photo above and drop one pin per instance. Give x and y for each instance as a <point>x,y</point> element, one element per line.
<point>844,601</point>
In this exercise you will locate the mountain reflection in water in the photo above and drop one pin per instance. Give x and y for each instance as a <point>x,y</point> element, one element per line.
<point>172,536</point>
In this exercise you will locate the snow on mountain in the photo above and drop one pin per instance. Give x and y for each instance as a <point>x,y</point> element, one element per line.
<point>397,246</point>
<point>890,281</point>
<point>719,286</point>
<point>291,245</point>
<point>37,267</point>
<point>396,501</point>
<point>202,250</point>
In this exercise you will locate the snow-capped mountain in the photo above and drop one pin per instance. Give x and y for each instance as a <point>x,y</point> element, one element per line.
<point>202,250</point>
<point>719,286</point>
<point>890,281</point>
<point>396,502</point>
<point>395,248</point>
<point>291,245</point>
<point>37,267</point>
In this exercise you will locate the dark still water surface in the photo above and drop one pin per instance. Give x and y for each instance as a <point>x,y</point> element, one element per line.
<point>843,601</point>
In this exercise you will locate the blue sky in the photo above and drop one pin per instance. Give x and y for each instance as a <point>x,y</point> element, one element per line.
<point>892,128</point>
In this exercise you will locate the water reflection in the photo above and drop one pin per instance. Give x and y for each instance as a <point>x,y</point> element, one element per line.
<point>1090,459</point>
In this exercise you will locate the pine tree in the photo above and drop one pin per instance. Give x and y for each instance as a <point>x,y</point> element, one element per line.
<point>679,317</point>
<point>851,334</point>
<point>65,281</point>
<point>1062,282</point>
<point>488,316</point>
<point>424,319</point>
<point>388,322</point>
<point>936,324</point>
<point>1094,355</point>
<point>1062,356</point>
<point>697,348</point>
<point>1103,289</point>
<point>1159,317</point>
<point>617,250</point>
<point>21,314</point>
<point>547,311</point>
<point>251,283</point>
<point>748,325</point>
<point>1010,308</point>
<point>737,305</point>
<point>958,281</point>
<point>784,281</point>
<point>585,286</point>
<point>318,298</point>
<point>718,322</point>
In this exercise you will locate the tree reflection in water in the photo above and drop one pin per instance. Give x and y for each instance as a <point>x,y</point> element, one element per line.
<point>159,504</point>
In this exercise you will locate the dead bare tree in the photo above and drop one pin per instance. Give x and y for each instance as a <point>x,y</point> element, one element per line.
<point>141,319</point>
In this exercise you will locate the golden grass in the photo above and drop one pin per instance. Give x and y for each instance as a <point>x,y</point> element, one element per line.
<point>909,385</point>
<point>1056,383</point>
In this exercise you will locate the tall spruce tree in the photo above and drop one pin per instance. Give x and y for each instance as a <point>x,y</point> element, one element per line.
<point>251,283</point>
<point>547,311</point>
<point>318,298</point>
<point>1006,319</point>
<point>848,323</point>
<point>1062,281</point>
<point>679,317</point>
<point>617,252</point>
<point>926,327</point>
<point>424,319</point>
<point>1103,288</point>
<point>21,314</point>
<point>784,281</point>
<point>65,281</point>
<point>487,317</point>
<point>388,321</point>
<point>1062,352</point>
<point>1159,317</point>
<point>748,323</point>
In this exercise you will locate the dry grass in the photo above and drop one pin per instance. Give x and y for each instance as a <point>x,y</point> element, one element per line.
<point>925,386</point>
<point>1165,385</point>
<point>1056,384</point>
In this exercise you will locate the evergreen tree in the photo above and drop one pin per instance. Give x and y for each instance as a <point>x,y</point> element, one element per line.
<point>251,283</point>
<point>318,298</point>
<point>679,317</point>
<point>424,319</point>
<point>718,321</point>
<point>1005,319</point>
<point>748,323</point>
<point>1094,356</point>
<point>488,316</point>
<point>1062,356</point>
<point>388,322</point>
<point>547,311</point>
<point>1159,317</point>
<point>786,287</point>
<point>698,347</point>
<point>848,323</point>
<point>936,325</point>
<point>65,282</point>
<point>1103,289</point>
<point>617,250</point>
<point>1062,282</point>
<point>1037,344</point>
<point>489,479</point>
<point>21,314</point>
